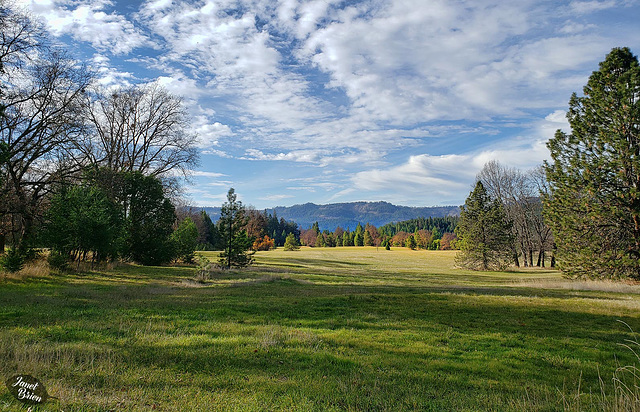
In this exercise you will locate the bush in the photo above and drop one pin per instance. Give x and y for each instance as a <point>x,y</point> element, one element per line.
<point>12,261</point>
<point>58,261</point>
<point>266,243</point>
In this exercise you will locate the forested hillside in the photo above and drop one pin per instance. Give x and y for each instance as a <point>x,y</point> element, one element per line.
<point>348,215</point>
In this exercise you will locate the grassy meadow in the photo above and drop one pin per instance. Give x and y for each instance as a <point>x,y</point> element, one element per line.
<point>355,329</point>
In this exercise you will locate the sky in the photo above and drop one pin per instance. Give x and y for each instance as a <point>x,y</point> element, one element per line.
<point>329,101</point>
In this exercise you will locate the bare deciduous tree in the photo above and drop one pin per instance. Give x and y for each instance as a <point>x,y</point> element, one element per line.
<point>142,128</point>
<point>520,194</point>
<point>41,120</point>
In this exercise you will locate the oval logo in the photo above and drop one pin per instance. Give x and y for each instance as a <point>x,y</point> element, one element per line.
<point>27,389</point>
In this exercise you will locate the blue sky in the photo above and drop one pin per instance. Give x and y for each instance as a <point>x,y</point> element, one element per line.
<point>333,101</point>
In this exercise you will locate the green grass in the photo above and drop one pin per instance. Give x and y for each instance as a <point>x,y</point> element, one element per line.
<point>318,329</point>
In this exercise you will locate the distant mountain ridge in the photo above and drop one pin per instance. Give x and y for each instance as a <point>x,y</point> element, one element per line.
<point>348,215</point>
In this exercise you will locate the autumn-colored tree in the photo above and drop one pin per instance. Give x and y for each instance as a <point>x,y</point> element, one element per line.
<point>448,241</point>
<point>265,243</point>
<point>399,239</point>
<point>423,238</point>
<point>308,237</point>
<point>256,224</point>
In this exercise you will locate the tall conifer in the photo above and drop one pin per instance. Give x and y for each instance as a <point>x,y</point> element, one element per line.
<point>593,206</point>
<point>484,232</point>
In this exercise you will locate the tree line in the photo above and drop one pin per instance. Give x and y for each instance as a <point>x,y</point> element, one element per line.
<point>265,229</point>
<point>386,236</point>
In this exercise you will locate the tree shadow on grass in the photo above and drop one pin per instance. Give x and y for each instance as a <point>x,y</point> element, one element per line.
<point>279,332</point>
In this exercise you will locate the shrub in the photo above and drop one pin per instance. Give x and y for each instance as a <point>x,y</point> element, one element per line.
<point>58,261</point>
<point>12,261</point>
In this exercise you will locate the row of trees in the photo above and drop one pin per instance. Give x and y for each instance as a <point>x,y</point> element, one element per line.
<point>369,235</point>
<point>86,171</point>
<point>264,229</point>
<point>584,204</point>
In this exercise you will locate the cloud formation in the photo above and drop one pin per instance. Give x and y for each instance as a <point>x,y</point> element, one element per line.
<point>378,92</point>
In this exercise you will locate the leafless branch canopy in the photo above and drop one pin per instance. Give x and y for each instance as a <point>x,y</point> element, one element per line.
<point>142,128</point>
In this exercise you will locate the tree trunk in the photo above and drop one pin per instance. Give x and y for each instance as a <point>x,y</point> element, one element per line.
<point>2,243</point>
<point>530,258</point>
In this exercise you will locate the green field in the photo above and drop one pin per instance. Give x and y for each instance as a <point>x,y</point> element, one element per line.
<point>357,329</point>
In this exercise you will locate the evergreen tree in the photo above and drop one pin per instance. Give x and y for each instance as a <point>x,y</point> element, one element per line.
<point>484,232</point>
<point>149,219</point>
<point>593,206</point>
<point>367,241</point>
<point>410,242</point>
<point>358,238</point>
<point>346,239</point>
<point>235,241</point>
<point>185,239</point>
<point>291,243</point>
<point>82,223</point>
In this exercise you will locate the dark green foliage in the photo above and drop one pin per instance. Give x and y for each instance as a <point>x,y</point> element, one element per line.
<point>4,154</point>
<point>593,206</point>
<point>58,261</point>
<point>81,223</point>
<point>149,218</point>
<point>236,242</point>
<point>484,232</point>
<point>208,234</point>
<point>347,238</point>
<point>442,224</point>
<point>278,230</point>
<point>12,261</point>
<point>4,157</point>
<point>185,239</point>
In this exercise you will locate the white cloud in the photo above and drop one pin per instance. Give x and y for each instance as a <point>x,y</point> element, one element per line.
<point>276,197</point>
<point>432,180</point>
<point>208,174</point>
<point>584,7</point>
<point>351,86</point>
<point>89,22</point>
<point>107,76</point>
<point>216,152</point>
<point>209,132</point>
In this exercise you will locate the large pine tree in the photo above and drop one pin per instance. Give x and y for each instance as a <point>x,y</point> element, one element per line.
<point>484,232</point>
<point>594,202</point>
